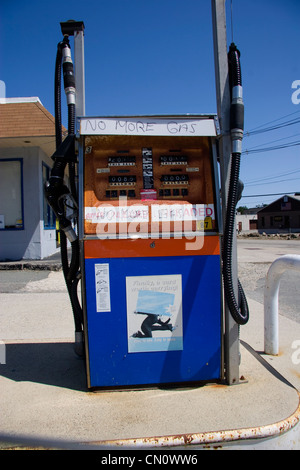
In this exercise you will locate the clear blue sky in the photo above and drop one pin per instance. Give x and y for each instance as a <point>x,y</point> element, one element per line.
<point>156,57</point>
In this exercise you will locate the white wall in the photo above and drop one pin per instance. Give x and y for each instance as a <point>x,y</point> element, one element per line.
<point>47,236</point>
<point>32,242</point>
<point>245,220</point>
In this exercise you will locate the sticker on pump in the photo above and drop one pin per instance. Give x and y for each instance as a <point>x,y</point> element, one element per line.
<point>154,313</point>
<point>148,194</point>
<point>205,224</point>
<point>182,212</point>
<point>102,287</point>
<point>117,214</point>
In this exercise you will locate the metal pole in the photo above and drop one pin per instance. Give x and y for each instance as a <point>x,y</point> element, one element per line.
<point>76,29</point>
<point>273,278</point>
<point>231,339</point>
<point>79,72</point>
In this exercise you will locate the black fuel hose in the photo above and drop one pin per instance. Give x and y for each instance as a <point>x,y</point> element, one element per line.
<point>239,311</point>
<point>238,308</point>
<point>69,86</point>
<point>55,189</point>
<point>57,97</point>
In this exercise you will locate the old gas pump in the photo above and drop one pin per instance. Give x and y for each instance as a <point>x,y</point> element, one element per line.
<point>151,238</point>
<point>150,249</point>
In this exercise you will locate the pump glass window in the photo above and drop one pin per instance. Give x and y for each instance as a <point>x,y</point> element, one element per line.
<point>11,194</point>
<point>48,214</point>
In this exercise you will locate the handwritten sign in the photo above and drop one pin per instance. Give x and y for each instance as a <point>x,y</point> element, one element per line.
<point>140,213</point>
<point>147,126</point>
<point>181,212</point>
<point>117,214</point>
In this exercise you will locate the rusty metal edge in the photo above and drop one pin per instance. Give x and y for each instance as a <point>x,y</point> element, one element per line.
<point>207,438</point>
<point>215,439</point>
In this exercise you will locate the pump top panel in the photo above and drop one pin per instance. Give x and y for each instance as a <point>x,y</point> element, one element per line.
<point>154,172</point>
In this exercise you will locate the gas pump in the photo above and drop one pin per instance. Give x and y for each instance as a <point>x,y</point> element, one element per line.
<point>151,249</point>
<point>147,242</point>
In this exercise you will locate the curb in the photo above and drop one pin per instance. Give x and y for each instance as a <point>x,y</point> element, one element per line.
<point>30,266</point>
<point>208,439</point>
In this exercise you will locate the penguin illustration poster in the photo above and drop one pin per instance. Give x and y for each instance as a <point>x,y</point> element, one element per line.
<point>154,313</point>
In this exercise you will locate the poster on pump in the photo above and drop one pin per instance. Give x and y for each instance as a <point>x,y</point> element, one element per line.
<point>154,313</point>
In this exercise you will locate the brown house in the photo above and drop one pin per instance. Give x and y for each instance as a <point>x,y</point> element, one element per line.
<point>27,141</point>
<point>282,215</point>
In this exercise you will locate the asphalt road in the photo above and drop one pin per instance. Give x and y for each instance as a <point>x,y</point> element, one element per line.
<point>16,281</point>
<point>254,259</point>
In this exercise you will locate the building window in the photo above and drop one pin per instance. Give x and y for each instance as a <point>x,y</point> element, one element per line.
<point>48,214</point>
<point>11,194</point>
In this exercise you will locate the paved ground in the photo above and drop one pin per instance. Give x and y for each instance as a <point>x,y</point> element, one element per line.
<point>254,260</point>
<point>43,388</point>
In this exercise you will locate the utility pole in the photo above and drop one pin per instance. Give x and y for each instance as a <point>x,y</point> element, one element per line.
<point>79,70</point>
<point>231,339</point>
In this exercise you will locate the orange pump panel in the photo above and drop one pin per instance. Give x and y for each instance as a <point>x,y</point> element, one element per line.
<point>182,174</point>
<point>118,248</point>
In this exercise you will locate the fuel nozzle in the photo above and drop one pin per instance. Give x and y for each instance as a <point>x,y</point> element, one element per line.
<point>237,104</point>
<point>68,71</point>
<point>57,194</point>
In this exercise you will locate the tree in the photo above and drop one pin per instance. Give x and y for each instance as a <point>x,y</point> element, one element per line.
<point>242,209</point>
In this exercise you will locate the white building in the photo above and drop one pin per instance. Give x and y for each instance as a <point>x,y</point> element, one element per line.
<point>27,141</point>
<point>247,222</point>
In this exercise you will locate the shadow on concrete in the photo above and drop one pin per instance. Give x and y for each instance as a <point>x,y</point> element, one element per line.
<point>46,363</point>
<point>259,356</point>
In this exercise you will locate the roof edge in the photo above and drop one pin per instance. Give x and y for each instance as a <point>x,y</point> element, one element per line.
<point>30,99</point>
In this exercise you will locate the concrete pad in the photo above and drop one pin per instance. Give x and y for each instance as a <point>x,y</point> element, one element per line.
<point>44,395</point>
<point>36,316</point>
<point>43,383</point>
